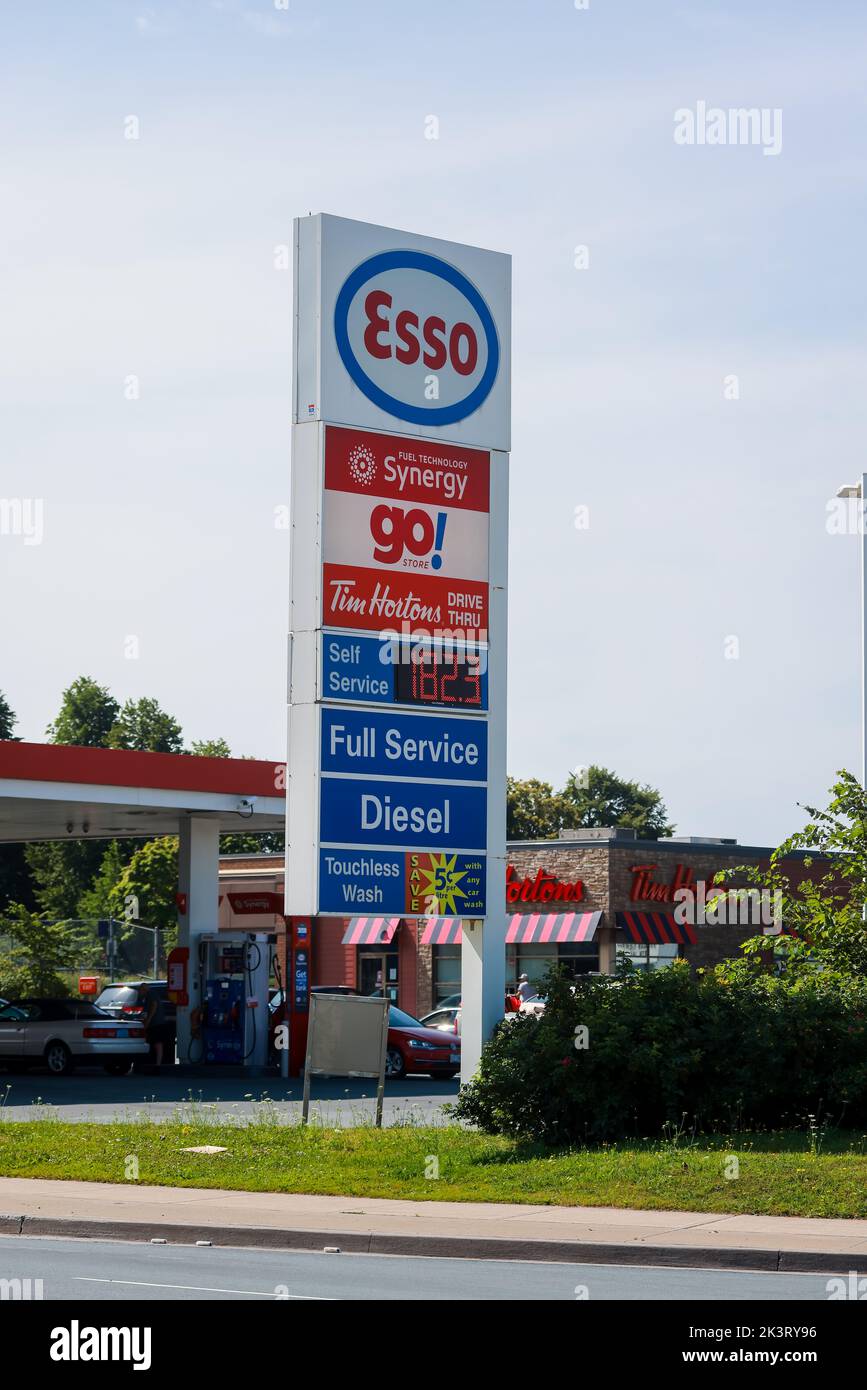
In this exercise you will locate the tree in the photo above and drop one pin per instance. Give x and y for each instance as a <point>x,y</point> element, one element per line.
<point>41,949</point>
<point>600,797</point>
<point>534,811</point>
<point>62,871</point>
<point>210,748</point>
<point>8,719</point>
<point>87,713</point>
<point>146,889</point>
<point>822,915</point>
<point>97,900</point>
<point>141,724</point>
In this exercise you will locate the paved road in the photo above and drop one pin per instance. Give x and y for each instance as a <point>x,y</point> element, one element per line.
<point>103,1271</point>
<point>92,1095</point>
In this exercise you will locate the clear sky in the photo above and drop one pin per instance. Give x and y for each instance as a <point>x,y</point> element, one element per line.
<point>154,258</point>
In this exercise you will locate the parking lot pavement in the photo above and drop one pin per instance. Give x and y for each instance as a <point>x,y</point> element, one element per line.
<point>93,1096</point>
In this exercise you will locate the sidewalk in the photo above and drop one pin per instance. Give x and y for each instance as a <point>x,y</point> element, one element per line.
<point>609,1235</point>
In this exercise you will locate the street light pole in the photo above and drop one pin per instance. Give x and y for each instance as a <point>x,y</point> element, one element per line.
<point>849,492</point>
<point>859,491</point>
<point>862,533</point>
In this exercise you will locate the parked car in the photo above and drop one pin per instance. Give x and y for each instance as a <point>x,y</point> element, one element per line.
<point>127,1001</point>
<point>444,1019</point>
<point>414,1048</point>
<point>277,1010</point>
<point>451,1001</point>
<point>64,1033</point>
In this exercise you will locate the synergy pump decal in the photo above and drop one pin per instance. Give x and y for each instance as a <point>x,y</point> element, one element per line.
<point>416,337</point>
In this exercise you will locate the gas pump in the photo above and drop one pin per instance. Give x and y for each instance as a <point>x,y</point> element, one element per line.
<point>297,993</point>
<point>234,969</point>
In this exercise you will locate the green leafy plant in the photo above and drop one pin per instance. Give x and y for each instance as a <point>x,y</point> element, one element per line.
<point>667,1048</point>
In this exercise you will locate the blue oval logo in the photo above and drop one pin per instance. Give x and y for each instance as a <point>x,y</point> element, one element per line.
<point>458,333</point>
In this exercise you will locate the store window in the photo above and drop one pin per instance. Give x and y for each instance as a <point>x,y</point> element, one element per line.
<point>647,956</point>
<point>577,958</point>
<point>446,972</point>
<point>377,972</point>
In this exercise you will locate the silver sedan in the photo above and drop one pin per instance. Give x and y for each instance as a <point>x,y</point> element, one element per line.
<point>58,1033</point>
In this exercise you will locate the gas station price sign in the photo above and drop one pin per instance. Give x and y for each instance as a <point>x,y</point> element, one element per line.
<point>399,571</point>
<point>428,680</point>
<point>364,669</point>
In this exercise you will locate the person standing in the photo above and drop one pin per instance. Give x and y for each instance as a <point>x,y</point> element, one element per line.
<point>154,1023</point>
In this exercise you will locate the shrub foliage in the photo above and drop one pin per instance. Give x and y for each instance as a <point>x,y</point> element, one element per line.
<point>715,1052</point>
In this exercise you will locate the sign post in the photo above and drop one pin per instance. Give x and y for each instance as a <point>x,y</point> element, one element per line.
<point>396,793</point>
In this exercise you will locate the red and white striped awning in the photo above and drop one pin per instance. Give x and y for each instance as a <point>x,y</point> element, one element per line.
<point>441,931</point>
<point>370,931</point>
<point>540,928</point>
<point>656,928</point>
<point>524,928</point>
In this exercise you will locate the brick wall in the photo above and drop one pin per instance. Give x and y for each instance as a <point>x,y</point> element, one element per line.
<point>567,863</point>
<point>333,963</point>
<point>407,976</point>
<point>424,980</point>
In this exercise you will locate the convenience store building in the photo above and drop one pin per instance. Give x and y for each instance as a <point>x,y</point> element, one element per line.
<point>583,900</point>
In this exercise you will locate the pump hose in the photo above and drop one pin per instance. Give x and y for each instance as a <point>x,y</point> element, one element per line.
<point>251,946</point>
<point>201,1034</point>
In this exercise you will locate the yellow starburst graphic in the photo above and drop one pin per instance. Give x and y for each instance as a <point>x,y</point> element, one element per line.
<point>440,889</point>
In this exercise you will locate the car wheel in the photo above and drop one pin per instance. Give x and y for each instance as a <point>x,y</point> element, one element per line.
<point>395,1066</point>
<point>58,1059</point>
<point>121,1067</point>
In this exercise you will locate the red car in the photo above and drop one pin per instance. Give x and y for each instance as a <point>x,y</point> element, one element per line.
<point>412,1048</point>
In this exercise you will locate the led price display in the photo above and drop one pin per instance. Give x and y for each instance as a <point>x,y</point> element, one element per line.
<point>432,678</point>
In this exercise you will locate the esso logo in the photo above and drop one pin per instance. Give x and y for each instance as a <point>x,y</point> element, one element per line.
<point>416,337</point>
<point>396,531</point>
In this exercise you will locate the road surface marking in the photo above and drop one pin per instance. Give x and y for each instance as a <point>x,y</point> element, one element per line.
<point>203,1288</point>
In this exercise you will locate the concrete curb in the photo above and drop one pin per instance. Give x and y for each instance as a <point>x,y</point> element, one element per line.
<point>443,1247</point>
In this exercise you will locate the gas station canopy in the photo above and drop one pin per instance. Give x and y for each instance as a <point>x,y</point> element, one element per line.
<point>62,792</point>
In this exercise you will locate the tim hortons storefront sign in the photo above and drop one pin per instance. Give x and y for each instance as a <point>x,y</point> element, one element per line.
<point>544,888</point>
<point>645,888</point>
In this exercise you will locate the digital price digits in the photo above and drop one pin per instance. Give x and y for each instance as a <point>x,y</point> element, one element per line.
<point>431,680</point>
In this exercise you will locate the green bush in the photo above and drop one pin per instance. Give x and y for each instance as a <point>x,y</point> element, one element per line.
<point>668,1047</point>
<point>27,982</point>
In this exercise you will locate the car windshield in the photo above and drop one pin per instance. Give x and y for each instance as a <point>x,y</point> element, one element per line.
<point>115,996</point>
<point>398,1019</point>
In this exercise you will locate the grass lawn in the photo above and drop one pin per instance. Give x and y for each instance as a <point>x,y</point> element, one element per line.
<point>778,1174</point>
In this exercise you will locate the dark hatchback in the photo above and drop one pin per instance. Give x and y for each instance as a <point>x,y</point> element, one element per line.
<point>128,1001</point>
